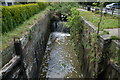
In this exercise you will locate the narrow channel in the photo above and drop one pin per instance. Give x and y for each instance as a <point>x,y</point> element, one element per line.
<point>60,60</point>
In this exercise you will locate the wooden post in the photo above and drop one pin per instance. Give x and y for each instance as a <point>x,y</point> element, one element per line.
<point>18,51</point>
<point>17,46</point>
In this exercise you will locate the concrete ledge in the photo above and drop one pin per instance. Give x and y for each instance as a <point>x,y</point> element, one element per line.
<point>90,24</point>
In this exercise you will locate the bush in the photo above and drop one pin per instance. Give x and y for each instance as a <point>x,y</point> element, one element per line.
<point>74,22</point>
<point>115,38</point>
<point>12,16</point>
<point>63,7</point>
<point>42,5</point>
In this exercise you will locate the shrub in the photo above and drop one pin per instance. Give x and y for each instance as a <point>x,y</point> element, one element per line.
<point>42,5</point>
<point>12,16</point>
<point>62,7</point>
<point>115,38</point>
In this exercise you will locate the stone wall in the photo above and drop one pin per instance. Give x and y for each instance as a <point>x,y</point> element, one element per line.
<point>33,45</point>
<point>95,54</point>
<point>34,50</point>
<point>7,54</point>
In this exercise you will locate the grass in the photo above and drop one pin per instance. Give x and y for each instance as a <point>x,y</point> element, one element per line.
<point>108,21</point>
<point>105,32</point>
<point>7,38</point>
<point>115,38</point>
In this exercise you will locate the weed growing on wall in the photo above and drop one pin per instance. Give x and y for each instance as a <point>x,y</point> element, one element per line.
<point>94,55</point>
<point>74,22</point>
<point>77,29</point>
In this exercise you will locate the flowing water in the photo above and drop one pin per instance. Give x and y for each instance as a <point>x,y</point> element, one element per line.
<point>60,60</point>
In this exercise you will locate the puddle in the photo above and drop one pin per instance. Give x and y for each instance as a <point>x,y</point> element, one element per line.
<point>60,60</point>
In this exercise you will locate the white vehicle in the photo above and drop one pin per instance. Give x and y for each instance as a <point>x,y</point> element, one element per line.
<point>113,6</point>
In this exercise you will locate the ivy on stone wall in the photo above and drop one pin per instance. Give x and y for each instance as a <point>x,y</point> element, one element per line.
<point>85,42</point>
<point>74,23</point>
<point>91,51</point>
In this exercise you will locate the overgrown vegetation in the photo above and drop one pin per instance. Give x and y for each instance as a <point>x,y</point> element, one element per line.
<point>13,16</point>
<point>74,22</point>
<point>7,38</point>
<point>86,44</point>
<point>115,38</point>
<point>108,22</point>
<point>105,32</point>
<point>77,28</point>
<point>62,7</point>
<point>116,56</point>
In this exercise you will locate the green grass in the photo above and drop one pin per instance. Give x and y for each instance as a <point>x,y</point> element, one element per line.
<point>7,38</point>
<point>115,38</point>
<point>105,32</point>
<point>108,21</point>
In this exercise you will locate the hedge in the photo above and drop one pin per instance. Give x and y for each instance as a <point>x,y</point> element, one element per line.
<point>12,16</point>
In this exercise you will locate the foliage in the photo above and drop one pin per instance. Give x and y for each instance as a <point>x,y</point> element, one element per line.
<point>94,54</point>
<point>108,22</point>
<point>118,53</point>
<point>76,25</point>
<point>105,32</point>
<point>115,38</point>
<point>116,56</point>
<point>74,18</point>
<point>90,41</point>
<point>63,7</point>
<point>42,5</point>
<point>74,22</point>
<point>95,4</point>
<point>21,29</point>
<point>12,16</point>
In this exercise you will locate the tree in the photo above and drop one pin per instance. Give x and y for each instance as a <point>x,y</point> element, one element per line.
<point>101,14</point>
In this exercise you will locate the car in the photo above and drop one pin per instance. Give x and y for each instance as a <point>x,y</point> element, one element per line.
<point>113,6</point>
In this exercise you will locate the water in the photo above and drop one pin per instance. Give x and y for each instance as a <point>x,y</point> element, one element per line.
<point>60,60</point>
<point>60,27</point>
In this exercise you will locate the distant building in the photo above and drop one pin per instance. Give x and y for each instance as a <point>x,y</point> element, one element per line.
<point>7,2</point>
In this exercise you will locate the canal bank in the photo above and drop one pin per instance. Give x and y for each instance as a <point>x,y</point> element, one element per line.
<point>60,59</point>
